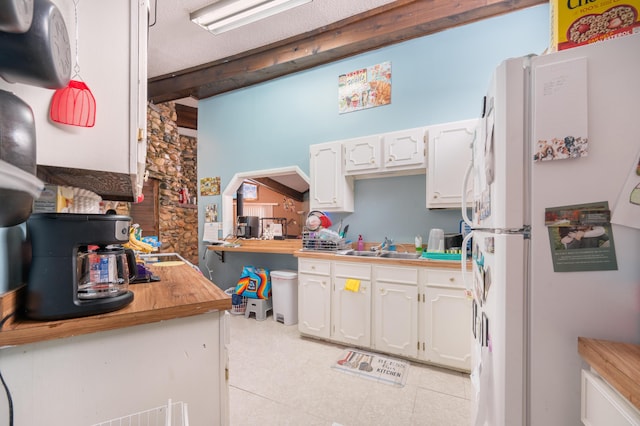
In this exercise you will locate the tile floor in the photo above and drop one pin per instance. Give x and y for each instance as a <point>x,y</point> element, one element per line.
<point>280,378</point>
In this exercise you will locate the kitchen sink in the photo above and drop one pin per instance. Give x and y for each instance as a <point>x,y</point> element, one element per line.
<point>396,255</point>
<point>384,254</point>
<point>359,253</point>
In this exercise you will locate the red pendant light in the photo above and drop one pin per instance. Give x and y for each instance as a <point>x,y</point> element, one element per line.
<point>74,104</point>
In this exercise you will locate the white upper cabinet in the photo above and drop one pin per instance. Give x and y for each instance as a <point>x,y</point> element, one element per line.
<point>112,55</point>
<point>448,155</point>
<point>401,152</point>
<point>404,150</point>
<point>329,189</point>
<point>362,155</point>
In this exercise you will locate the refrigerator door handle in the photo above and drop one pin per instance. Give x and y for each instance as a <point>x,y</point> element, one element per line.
<point>463,262</point>
<point>465,185</point>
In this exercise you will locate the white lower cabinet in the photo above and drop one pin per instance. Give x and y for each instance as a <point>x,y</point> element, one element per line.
<point>314,297</point>
<point>351,307</point>
<point>445,320</point>
<point>602,405</point>
<point>419,313</point>
<point>396,310</point>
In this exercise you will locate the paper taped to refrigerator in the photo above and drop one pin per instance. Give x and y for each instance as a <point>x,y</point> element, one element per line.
<point>560,111</point>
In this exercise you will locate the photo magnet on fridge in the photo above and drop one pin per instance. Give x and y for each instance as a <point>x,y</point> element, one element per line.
<point>581,238</point>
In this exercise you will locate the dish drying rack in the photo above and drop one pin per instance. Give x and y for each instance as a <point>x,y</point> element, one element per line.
<point>323,239</point>
<point>172,414</point>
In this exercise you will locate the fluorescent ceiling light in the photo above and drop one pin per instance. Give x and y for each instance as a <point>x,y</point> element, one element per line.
<point>226,15</point>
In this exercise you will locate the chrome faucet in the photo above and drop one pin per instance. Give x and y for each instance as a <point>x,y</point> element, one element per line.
<point>384,246</point>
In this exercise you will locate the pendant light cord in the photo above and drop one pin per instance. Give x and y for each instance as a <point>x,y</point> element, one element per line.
<point>76,67</point>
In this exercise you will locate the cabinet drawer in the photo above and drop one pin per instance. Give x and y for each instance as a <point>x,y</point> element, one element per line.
<point>396,274</point>
<point>602,405</point>
<point>317,267</point>
<point>352,270</point>
<point>444,278</point>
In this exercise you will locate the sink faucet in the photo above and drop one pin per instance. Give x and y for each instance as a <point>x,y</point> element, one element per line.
<point>385,245</point>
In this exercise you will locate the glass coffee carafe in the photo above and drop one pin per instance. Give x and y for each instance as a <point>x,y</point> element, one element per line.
<point>104,272</point>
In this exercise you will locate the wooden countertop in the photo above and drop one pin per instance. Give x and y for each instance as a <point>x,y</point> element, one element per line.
<point>181,292</point>
<point>294,247</point>
<point>617,363</point>
<point>446,264</point>
<point>261,246</point>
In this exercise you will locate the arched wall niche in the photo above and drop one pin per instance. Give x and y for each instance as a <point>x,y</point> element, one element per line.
<point>293,175</point>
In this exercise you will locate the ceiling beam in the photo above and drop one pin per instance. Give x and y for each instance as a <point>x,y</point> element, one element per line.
<point>386,25</point>
<point>280,188</point>
<point>187,117</point>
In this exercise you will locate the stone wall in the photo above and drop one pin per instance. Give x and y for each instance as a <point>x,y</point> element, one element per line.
<point>172,159</point>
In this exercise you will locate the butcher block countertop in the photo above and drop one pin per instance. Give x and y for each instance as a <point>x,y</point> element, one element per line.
<point>294,247</point>
<point>447,264</point>
<point>261,246</point>
<point>181,292</point>
<point>617,363</point>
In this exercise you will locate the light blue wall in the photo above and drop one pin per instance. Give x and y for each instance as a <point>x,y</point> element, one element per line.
<point>436,79</point>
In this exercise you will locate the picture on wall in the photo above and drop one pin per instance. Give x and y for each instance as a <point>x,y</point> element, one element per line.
<point>210,186</point>
<point>364,88</point>
<point>249,191</point>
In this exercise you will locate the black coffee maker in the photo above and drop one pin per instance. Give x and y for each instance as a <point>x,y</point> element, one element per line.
<point>78,267</point>
<point>248,227</point>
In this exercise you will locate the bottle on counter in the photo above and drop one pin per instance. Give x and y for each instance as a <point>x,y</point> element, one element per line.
<point>360,243</point>
<point>419,244</point>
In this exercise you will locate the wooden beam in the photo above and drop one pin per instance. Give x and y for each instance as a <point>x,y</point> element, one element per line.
<point>187,116</point>
<point>109,185</point>
<point>280,188</point>
<point>389,24</point>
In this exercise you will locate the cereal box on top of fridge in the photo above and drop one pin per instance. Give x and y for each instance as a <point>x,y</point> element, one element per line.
<point>578,22</point>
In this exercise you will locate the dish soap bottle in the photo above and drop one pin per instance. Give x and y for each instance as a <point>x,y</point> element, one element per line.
<point>419,244</point>
<point>360,243</point>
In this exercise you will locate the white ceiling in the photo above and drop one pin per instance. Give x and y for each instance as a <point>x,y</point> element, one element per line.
<point>175,43</point>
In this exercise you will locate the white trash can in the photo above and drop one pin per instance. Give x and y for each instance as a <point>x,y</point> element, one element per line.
<point>284,294</point>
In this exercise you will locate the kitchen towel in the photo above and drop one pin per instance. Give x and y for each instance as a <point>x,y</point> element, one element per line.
<point>352,285</point>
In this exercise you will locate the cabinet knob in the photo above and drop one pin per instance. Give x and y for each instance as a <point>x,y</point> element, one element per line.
<point>452,279</point>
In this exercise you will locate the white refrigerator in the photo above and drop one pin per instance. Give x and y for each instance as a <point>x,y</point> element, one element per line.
<point>555,156</point>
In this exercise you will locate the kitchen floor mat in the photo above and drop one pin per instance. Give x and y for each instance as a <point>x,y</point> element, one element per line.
<point>372,366</point>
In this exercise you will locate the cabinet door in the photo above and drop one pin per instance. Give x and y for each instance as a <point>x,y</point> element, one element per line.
<point>396,310</point>
<point>138,100</point>
<point>329,189</point>
<point>351,310</point>
<point>445,323</point>
<point>116,73</point>
<point>449,155</point>
<point>362,155</point>
<point>602,405</point>
<point>445,319</point>
<point>404,149</point>
<point>314,305</point>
